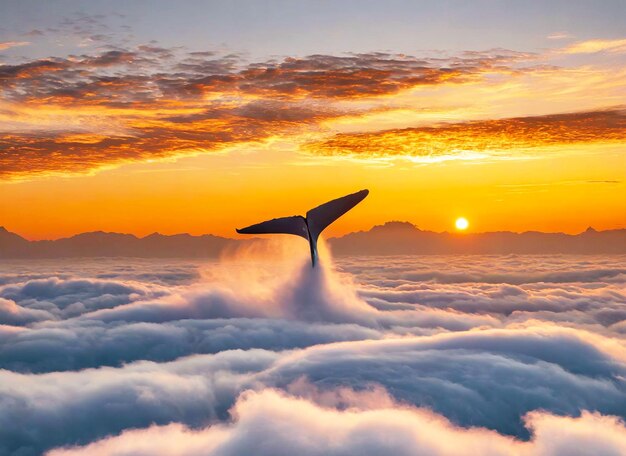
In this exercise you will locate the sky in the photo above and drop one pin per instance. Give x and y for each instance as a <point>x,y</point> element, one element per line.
<point>206,116</point>
<point>202,117</point>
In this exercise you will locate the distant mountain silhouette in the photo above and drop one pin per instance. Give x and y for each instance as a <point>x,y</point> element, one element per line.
<point>11,244</point>
<point>101,244</point>
<point>392,238</point>
<point>399,238</point>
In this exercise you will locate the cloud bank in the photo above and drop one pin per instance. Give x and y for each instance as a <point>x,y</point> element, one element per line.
<point>504,354</point>
<point>286,425</point>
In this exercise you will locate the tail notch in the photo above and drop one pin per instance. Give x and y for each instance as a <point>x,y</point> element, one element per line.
<point>311,226</point>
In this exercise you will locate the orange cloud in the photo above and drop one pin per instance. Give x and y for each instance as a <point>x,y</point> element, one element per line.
<point>9,44</point>
<point>85,112</point>
<point>80,113</point>
<point>491,136</point>
<point>592,46</point>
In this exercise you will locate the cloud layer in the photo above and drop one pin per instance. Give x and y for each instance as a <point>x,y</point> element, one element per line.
<point>299,426</point>
<point>487,136</point>
<point>80,113</point>
<point>150,103</point>
<point>507,355</point>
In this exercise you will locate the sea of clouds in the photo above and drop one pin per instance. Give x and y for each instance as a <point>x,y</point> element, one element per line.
<point>257,353</point>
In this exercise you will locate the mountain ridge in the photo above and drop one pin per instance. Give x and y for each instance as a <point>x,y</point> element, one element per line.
<point>391,238</point>
<point>111,244</point>
<point>409,239</point>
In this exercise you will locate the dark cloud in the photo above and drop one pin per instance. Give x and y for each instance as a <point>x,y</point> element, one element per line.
<point>111,58</point>
<point>92,28</point>
<point>34,32</point>
<point>316,76</point>
<point>323,76</point>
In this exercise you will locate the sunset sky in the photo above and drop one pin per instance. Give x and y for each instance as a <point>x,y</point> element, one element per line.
<point>201,117</point>
<point>205,116</point>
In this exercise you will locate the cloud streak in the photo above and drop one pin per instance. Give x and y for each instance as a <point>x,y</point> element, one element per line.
<point>11,44</point>
<point>491,137</point>
<point>593,46</point>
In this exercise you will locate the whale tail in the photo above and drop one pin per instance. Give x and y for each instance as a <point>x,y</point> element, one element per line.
<point>309,227</point>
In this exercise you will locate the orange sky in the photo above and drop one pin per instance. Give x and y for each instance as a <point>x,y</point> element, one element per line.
<point>509,140</point>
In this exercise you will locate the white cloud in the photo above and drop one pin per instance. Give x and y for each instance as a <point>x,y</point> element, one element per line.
<point>270,423</point>
<point>89,351</point>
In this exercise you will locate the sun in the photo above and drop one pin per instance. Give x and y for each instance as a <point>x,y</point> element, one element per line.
<point>461,223</point>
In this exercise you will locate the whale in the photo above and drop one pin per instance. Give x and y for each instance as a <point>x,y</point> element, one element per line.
<point>310,226</point>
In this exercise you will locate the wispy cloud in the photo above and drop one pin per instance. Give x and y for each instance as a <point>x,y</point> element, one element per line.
<point>11,44</point>
<point>559,35</point>
<point>593,46</point>
<point>493,137</point>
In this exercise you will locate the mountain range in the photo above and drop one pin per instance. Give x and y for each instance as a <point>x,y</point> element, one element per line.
<point>392,238</point>
<point>400,238</point>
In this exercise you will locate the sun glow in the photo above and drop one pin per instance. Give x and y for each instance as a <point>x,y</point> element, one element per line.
<point>461,223</point>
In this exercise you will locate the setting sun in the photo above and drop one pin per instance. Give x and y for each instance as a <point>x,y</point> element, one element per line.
<point>461,223</point>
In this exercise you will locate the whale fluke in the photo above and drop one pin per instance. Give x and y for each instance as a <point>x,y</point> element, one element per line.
<point>312,225</point>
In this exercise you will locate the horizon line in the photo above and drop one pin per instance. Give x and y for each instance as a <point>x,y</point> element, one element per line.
<point>238,238</point>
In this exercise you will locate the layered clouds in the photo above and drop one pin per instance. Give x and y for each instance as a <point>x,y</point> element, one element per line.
<point>502,354</point>
<point>150,103</point>
<point>118,104</point>
<point>302,427</point>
